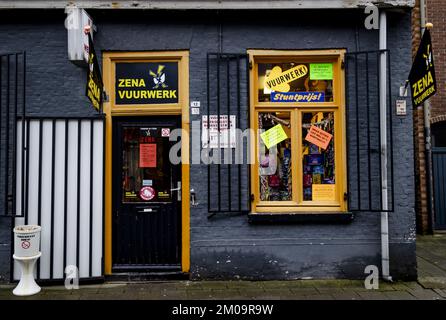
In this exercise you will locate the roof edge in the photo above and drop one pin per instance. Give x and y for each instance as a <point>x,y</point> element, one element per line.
<point>204,4</point>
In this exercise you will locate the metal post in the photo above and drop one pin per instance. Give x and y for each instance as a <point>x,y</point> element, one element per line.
<point>383,142</point>
<point>427,138</point>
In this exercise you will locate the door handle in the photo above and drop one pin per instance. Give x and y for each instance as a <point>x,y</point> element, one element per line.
<point>178,188</point>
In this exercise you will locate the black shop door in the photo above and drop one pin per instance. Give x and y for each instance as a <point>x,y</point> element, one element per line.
<point>146,195</point>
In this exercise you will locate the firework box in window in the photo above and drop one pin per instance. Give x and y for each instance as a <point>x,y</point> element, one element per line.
<point>274,181</point>
<point>307,180</point>
<point>317,178</point>
<point>307,193</point>
<point>307,169</point>
<point>314,159</point>
<point>318,169</point>
<point>314,149</point>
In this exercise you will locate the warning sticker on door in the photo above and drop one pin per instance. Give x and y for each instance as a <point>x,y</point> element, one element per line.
<point>147,193</point>
<point>165,132</point>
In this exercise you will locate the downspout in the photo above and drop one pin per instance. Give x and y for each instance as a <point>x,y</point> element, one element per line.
<point>383,133</point>
<point>427,137</point>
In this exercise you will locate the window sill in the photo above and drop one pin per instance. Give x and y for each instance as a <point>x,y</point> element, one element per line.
<point>301,217</point>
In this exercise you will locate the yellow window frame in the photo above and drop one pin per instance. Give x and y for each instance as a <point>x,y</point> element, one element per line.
<point>337,106</point>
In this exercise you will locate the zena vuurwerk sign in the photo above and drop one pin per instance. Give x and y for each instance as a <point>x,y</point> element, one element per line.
<point>422,75</point>
<point>146,83</point>
<point>94,80</point>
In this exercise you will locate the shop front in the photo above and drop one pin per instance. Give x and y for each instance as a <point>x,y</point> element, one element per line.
<point>243,144</point>
<point>146,202</point>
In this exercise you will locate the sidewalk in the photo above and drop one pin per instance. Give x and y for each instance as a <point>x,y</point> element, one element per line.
<point>431,260</point>
<point>431,252</point>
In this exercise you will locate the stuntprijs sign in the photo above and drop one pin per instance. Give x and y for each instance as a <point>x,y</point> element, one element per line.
<point>146,83</point>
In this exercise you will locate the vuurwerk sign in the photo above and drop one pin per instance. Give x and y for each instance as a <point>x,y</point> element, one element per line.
<point>94,80</point>
<point>146,83</point>
<point>422,75</point>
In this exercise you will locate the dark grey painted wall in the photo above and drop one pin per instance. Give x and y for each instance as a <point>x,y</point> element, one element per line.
<point>227,246</point>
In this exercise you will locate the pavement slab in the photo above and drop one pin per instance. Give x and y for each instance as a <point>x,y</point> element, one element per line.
<point>426,294</point>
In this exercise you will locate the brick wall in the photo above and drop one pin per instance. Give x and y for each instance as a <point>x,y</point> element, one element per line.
<point>435,13</point>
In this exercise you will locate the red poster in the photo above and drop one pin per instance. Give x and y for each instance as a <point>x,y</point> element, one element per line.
<point>147,155</point>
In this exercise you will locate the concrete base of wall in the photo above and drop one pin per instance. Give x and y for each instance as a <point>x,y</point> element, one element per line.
<point>5,249</point>
<point>316,261</point>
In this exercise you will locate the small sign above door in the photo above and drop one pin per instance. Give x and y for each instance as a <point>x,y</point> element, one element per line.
<point>146,83</point>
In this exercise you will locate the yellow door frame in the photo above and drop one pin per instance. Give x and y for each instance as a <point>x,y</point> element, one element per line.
<point>109,60</point>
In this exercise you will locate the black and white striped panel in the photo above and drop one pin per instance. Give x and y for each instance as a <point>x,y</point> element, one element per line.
<point>60,187</point>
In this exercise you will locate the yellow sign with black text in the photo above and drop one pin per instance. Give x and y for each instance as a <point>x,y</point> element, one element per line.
<point>279,80</point>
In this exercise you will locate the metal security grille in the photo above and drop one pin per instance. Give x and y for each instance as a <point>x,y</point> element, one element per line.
<point>362,71</point>
<point>228,95</point>
<point>12,106</point>
<point>60,176</point>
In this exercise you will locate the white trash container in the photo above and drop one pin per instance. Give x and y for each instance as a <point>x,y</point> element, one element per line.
<point>27,240</point>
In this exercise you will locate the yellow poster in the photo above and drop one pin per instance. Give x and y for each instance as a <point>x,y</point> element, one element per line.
<point>278,80</point>
<point>273,136</point>
<point>323,192</point>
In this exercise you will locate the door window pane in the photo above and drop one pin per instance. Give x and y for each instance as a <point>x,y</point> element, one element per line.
<point>318,156</point>
<point>275,156</point>
<point>295,82</point>
<point>145,166</point>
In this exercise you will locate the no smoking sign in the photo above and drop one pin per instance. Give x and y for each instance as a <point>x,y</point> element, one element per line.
<point>26,244</point>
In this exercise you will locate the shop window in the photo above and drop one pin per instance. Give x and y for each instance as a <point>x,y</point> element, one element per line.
<point>297,109</point>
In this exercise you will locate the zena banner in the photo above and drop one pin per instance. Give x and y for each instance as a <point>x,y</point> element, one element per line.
<point>422,75</point>
<point>94,80</point>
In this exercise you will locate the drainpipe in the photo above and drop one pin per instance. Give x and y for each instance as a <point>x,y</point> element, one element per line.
<point>427,137</point>
<point>383,130</point>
